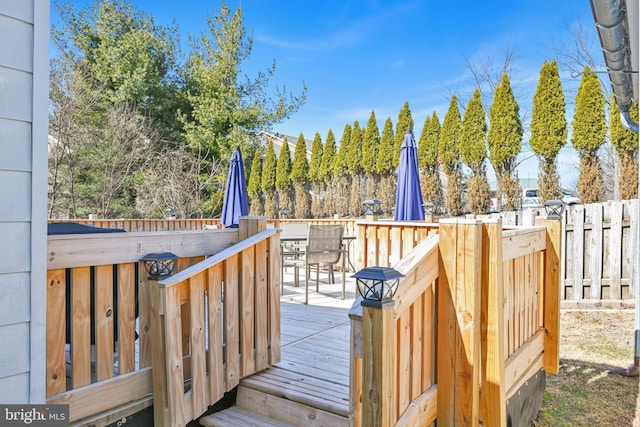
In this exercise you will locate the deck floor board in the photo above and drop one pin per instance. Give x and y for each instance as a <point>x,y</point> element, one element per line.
<point>314,369</point>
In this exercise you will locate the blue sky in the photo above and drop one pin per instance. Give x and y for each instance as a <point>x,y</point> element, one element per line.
<point>358,56</point>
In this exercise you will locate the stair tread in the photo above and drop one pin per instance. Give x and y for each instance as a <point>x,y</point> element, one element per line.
<point>289,411</point>
<point>240,417</point>
<point>306,390</point>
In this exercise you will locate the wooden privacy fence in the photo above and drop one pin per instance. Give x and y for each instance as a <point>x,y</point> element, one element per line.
<point>219,321</point>
<point>495,325</point>
<point>98,315</point>
<point>601,251</point>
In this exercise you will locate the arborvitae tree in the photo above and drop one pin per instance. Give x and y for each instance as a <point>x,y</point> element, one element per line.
<point>448,151</point>
<point>327,199</point>
<point>340,161</point>
<point>283,178</point>
<point>254,187</point>
<point>328,154</point>
<point>626,145</point>
<point>405,122</point>
<point>269,182</point>
<point>270,168</point>
<point>355,169</point>
<point>386,153</point>
<point>473,152</point>
<point>300,168</point>
<point>370,147</point>
<point>548,129</point>
<point>427,154</point>
<point>354,160</point>
<point>428,162</point>
<point>384,167</point>
<point>341,183</point>
<point>505,142</point>
<point>473,135</point>
<point>300,177</point>
<point>371,144</point>
<point>589,130</point>
<point>314,177</point>
<point>316,159</point>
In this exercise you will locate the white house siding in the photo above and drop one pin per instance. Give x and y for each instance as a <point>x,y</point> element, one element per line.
<point>24,40</point>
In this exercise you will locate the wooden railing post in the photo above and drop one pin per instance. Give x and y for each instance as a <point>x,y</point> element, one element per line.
<point>551,294</point>
<point>494,407</point>
<point>250,225</point>
<point>158,360</point>
<point>355,365</point>
<point>378,394</point>
<point>459,317</point>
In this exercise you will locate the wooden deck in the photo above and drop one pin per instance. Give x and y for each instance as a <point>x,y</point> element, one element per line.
<point>310,386</point>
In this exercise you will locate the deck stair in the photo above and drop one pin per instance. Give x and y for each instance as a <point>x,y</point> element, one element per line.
<point>278,397</point>
<point>310,385</point>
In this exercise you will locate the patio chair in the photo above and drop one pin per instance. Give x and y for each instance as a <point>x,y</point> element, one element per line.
<point>324,246</point>
<point>292,250</point>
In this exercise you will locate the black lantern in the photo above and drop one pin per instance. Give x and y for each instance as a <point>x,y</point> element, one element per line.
<point>283,212</point>
<point>159,264</point>
<point>371,207</point>
<point>170,213</point>
<point>554,209</point>
<point>377,283</point>
<point>429,208</point>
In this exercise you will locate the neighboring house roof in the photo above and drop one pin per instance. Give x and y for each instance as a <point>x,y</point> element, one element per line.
<point>278,140</point>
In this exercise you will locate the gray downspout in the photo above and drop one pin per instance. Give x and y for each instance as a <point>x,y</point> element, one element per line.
<point>626,121</point>
<point>610,19</point>
<point>611,23</point>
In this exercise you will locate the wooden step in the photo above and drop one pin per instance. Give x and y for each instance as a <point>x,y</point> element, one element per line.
<point>240,417</point>
<point>292,386</point>
<point>288,411</point>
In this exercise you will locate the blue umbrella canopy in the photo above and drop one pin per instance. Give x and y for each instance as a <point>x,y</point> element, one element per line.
<point>236,200</point>
<point>408,194</point>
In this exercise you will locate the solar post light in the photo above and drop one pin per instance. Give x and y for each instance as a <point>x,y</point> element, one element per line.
<point>377,285</point>
<point>429,211</point>
<point>283,212</point>
<point>554,209</point>
<point>371,208</point>
<point>159,264</point>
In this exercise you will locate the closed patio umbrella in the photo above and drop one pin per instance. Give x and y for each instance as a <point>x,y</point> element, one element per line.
<point>408,194</point>
<point>236,200</point>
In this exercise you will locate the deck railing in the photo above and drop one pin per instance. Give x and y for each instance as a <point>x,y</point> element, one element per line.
<point>495,325</point>
<point>219,322</point>
<point>98,314</point>
<point>385,243</point>
<point>349,223</point>
<point>135,225</point>
<point>397,338</point>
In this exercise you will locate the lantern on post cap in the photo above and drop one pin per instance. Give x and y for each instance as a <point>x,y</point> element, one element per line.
<point>554,209</point>
<point>283,212</point>
<point>429,208</point>
<point>159,264</point>
<point>371,207</point>
<point>377,284</point>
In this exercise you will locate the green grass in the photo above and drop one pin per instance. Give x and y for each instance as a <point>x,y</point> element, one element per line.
<point>585,393</point>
